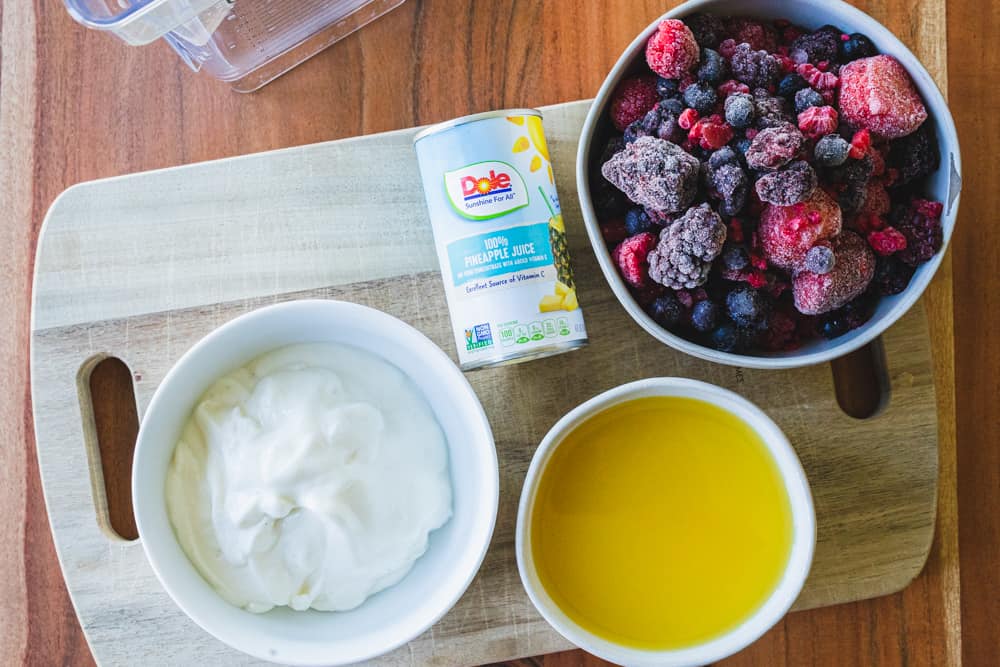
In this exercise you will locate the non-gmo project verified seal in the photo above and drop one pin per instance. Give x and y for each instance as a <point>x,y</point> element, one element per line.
<point>478,337</point>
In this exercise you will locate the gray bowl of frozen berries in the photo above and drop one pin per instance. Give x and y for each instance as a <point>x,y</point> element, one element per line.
<point>770,190</point>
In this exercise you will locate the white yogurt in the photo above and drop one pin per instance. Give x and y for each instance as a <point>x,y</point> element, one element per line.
<point>309,478</point>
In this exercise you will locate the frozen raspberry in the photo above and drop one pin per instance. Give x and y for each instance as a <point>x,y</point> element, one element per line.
<point>687,119</point>
<point>727,48</point>
<point>861,144</point>
<point>774,147</point>
<point>831,150</point>
<point>788,232</point>
<point>772,111</point>
<point>654,173</point>
<point>740,110</point>
<point>701,97</point>
<point>724,174</point>
<point>672,50</point>
<point>789,186</point>
<point>820,45</point>
<point>755,68</point>
<point>891,275</point>
<point>817,78</point>
<point>633,98</point>
<point>920,223</point>
<point>877,94</point>
<point>684,254</point>
<point>816,122</point>
<point>820,259</point>
<point>887,241</point>
<point>711,133</point>
<point>915,155</point>
<point>758,35</point>
<point>731,87</point>
<point>613,231</point>
<point>630,256</point>
<point>852,272</point>
<point>707,29</point>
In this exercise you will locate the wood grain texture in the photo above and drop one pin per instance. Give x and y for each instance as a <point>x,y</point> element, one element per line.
<point>873,481</point>
<point>77,105</point>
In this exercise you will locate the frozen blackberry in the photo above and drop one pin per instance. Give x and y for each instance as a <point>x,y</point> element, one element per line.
<point>667,87</point>
<point>855,47</point>
<point>735,257</point>
<point>705,315</point>
<point>772,111</point>
<point>655,173</point>
<point>713,68</point>
<point>820,260</point>
<point>637,221</point>
<point>659,122</point>
<point>684,254</point>
<point>920,223</point>
<point>915,155</point>
<point>807,97</point>
<point>701,97</point>
<point>819,46</point>
<point>854,175</point>
<point>831,150</point>
<point>667,310</point>
<point>791,185</point>
<point>790,84</point>
<point>740,110</point>
<point>746,306</point>
<point>707,29</point>
<point>754,68</point>
<point>892,275</point>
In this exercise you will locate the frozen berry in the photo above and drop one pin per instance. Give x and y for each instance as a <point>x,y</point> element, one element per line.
<point>637,221</point>
<point>754,68</point>
<point>807,97</point>
<point>877,94</point>
<point>820,259</point>
<point>789,186</point>
<point>833,327</point>
<point>819,46</point>
<point>613,231</point>
<point>892,276</point>
<point>711,133</point>
<point>855,47</point>
<point>655,173</point>
<point>746,306</point>
<point>816,122</point>
<point>705,316</point>
<point>787,233</point>
<point>735,257</point>
<point>740,110</point>
<point>772,111</point>
<point>831,150</point>
<point>631,257</point>
<point>667,87</point>
<point>713,67</point>
<point>755,33</point>
<point>854,176</point>
<point>672,50</point>
<point>790,84</point>
<point>887,241</point>
<point>684,254</point>
<point>861,143</point>
<point>701,97</point>
<point>854,268</point>
<point>667,310</point>
<point>633,98</point>
<point>775,146</point>
<point>725,175</point>
<point>726,338</point>
<point>731,87</point>
<point>920,223</point>
<point>916,155</point>
<point>706,28</point>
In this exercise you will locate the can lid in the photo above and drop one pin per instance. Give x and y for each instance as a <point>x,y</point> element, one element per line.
<point>448,124</point>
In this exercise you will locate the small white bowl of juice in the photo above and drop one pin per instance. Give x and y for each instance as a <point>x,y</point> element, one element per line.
<point>665,522</point>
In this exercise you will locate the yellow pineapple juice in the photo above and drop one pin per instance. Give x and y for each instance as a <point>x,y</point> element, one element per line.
<point>500,238</point>
<point>661,523</point>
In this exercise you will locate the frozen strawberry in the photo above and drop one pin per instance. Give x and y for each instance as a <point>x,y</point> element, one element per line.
<point>852,272</point>
<point>672,50</point>
<point>632,100</point>
<point>788,232</point>
<point>877,94</point>
<point>630,256</point>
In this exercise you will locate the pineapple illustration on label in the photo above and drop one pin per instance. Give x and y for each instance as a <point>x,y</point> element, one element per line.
<point>564,297</point>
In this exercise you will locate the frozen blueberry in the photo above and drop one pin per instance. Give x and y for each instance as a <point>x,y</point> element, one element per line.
<point>667,310</point>
<point>726,338</point>
<point>713,67</point>
<point>832,327</point>
<point>704,316</point>
<point>857,46</point>
<point>820,259</point>
<point>740,110</point>
<point>637,222</point>
<point>735,257</point>
<point>807,97</point>
<point>667,87</point>
<point>832,150</point>
<point>790,84</point>
<point>701,97</point>
<point>746,306</point>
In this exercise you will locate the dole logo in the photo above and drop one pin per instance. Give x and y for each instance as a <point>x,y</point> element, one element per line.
<point>485,190</point>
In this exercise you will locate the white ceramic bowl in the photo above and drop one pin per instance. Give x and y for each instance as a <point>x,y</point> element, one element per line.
<point>803,524</point>
<point>943,186</point>
<point>438,578</point>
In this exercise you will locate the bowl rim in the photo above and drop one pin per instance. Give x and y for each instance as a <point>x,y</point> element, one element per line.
<point>860,21</point>
<point>794,481</point>
<point>298,651</point>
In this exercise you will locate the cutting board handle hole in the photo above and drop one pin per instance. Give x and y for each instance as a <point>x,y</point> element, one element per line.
<point>111,424</point>
<point>861,381</point>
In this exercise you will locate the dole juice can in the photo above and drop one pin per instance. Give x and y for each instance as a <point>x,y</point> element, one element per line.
<point>500,238</point>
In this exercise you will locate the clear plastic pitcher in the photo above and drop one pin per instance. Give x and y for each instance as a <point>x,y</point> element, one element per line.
<point>244,42</point>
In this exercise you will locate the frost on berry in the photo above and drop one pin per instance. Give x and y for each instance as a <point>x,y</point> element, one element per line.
<point>654,173</point>
<point>774,146</point>
<point>853,269</point>
<point>877,94</point>
<point>684,254</point>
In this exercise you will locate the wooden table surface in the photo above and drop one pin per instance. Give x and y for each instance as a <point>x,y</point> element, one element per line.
<point>76,105</point>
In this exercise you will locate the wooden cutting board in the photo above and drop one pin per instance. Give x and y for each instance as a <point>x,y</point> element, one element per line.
<point>140,267</point>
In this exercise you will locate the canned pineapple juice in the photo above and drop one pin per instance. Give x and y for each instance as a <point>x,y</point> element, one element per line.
<point>500,238</point>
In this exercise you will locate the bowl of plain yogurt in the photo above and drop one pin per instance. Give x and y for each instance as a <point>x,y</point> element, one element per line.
<point>315,483</point>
